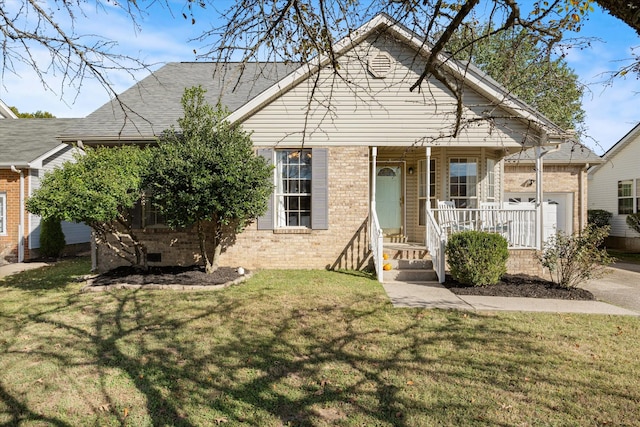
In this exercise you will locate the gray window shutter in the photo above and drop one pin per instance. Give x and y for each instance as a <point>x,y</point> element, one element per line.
<point>320,189</point>
<point>265,222</point>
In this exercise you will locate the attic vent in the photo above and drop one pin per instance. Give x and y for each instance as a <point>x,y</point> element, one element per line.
<point>380,65</point>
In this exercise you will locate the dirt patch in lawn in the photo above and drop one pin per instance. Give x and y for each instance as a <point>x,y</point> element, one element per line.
<point>520,286</point>
<point>172,277</point>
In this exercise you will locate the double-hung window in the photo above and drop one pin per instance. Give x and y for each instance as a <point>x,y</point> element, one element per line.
<point>463,181</point>
<point>628,196</point>
<point>3,213</point>
<point>491,180</point>
<point>293,188</point>
<point>625,197</point>
<point>300,199</point>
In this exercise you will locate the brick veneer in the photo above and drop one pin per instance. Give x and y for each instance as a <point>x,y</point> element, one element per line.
<point>343,245</point>
<point>557,178</point>
<point>524,261</point>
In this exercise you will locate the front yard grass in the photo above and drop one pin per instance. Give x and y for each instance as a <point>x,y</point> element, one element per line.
<point>296,348</point>
<point>631,257</point>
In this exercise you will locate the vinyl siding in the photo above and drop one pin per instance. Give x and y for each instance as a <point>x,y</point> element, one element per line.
<point>73,233</point>
<point>352,107</point>
<point>603,184</point>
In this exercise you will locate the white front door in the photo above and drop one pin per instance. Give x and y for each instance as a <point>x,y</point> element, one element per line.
<point>389,198</point>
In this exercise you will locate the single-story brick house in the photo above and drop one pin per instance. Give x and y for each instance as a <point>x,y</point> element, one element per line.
<point>366,150</point>
<point>614,186</point>
<point>29,148</point>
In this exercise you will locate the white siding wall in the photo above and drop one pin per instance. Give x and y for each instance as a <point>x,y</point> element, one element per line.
<point>73,233</point>
<point>603,184</point>
<point>355,108</point>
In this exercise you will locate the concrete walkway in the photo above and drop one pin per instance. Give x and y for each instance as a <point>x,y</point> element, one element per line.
<point>433,295</point>
<point>17,267</point>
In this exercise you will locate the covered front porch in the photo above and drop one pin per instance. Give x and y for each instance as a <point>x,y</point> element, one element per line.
<point>421,195</point>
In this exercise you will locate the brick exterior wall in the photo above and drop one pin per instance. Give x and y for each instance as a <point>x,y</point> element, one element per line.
<point>10,185</point>
<point>524,261</point>
<point>343,245</point>
<point>557,178</point>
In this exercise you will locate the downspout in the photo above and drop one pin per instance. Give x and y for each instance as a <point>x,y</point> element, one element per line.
<point>21,219</point>
<point>584,182</point>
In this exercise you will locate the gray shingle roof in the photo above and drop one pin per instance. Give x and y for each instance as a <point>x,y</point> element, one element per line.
<point>24,140</point>
<point>153,104</point>
<point>568,153</point>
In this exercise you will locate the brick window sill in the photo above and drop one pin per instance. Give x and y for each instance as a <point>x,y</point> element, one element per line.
<point>292,231</point>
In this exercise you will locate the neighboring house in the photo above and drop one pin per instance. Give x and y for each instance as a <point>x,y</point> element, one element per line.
<point>359,147</point>
<point>564,181</point>
<point>5,112</point>
<point>614,186</point>
<point>28,149</point>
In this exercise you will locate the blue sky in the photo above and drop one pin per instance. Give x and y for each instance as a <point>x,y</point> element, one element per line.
<point>611,107</point>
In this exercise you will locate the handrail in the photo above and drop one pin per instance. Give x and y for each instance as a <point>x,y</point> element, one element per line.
<point>435,241</point>
<point>377,242</point>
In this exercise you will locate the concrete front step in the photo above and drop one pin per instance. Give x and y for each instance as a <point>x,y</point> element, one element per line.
<point>413,274</point>
<point>409,253</point>
<point>410,264</point>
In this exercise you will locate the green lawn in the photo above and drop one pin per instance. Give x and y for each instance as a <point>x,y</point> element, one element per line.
<point>625,256</point>
<point>300,348</point>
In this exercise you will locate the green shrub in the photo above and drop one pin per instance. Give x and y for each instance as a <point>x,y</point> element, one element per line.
<point>572,259</point>
<point>633,221</point>
<point>599,217</point>
<point>51,238</point>
<point>477,258</point>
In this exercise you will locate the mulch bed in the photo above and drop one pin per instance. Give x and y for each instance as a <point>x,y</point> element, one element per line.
<point>520,286</point>
<point>172,277</point>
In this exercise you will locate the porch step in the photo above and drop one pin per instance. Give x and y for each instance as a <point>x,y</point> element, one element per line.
<point>409,275</point>
<point>409,270</point>
<point>405,251</point>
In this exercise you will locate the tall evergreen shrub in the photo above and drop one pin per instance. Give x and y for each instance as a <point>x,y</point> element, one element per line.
<point>52,240</point>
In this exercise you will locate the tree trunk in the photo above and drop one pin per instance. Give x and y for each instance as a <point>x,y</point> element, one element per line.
<point>210,263</point>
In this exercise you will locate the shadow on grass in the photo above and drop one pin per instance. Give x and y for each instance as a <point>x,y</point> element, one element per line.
<point>55,276</point>
<point>257,358</point>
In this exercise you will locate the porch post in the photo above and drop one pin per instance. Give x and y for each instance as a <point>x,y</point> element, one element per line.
<point>428,193</point>
<point>374,156</point>
<point>539,196</point>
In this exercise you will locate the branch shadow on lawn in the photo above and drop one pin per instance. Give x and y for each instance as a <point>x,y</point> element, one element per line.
<point>189,359</point>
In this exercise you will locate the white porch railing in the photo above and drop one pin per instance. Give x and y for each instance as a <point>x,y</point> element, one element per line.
<point>436,241</point>
<point>376,241</point>
<point>517,225</point>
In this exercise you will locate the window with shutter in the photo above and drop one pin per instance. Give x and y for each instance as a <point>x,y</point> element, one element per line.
<point>300,197</point>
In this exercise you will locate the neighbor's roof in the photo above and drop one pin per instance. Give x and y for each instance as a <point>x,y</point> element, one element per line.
<point>154,104</point>
<point>629,137</point>
<point>568,153</point>
<point>25,140</point>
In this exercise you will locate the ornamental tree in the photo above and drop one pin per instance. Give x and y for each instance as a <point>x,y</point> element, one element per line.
<point>100,188</point>
<point>206,175</point>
